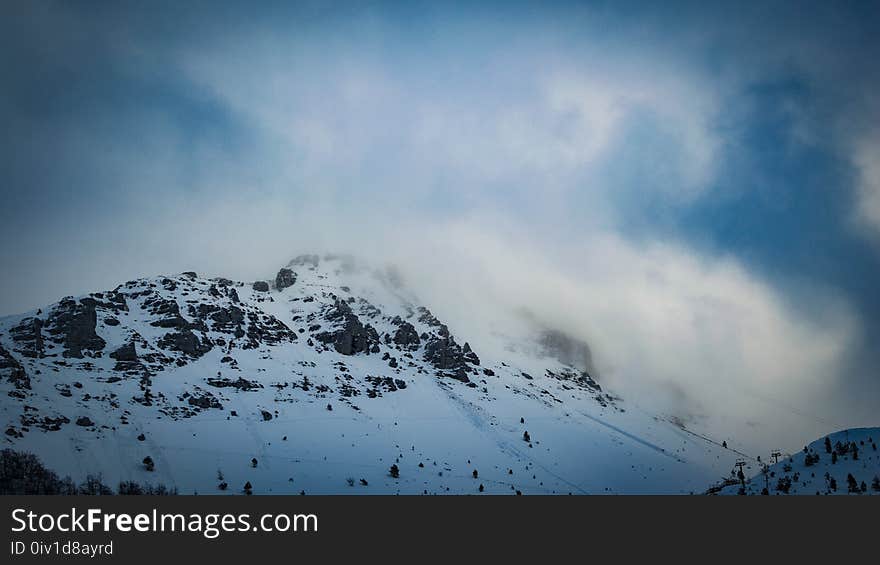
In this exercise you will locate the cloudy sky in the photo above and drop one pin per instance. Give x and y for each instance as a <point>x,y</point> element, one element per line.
<point>694,189</point>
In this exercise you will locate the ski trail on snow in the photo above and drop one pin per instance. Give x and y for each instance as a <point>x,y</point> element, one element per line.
<point>631,436</point>
<point>472,413</point>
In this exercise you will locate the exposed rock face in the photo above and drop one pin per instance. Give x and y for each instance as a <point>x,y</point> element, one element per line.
<point>238,384</point>
<point>12,370</point>
<point>225,320</point>
<point>285,278</point>
<point>126,353</point>
<point>445,354</point>
<point>406,336</point>
<point>186,342</point>
<point>84,421</point>
<point>261,286</point>
<point>169,310</point>
<point>566,349</point>
<point>267,330</point>
<point>426,317</point>
<point>352,336</point>
<point>28,337</point>
<point>112,300</point>
<point>73,324</point>
<point>204,401</point>
<point>469,355</point>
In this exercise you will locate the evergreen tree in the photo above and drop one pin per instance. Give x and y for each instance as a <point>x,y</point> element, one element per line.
<point>394,471</point>
<point>827,444</point>
<point>851,484</point>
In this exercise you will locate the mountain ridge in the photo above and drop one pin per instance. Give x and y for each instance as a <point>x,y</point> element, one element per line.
<point>326,372</point>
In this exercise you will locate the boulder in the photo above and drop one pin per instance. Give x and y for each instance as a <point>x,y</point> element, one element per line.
<point>125,353</point>
<point>285,278</point>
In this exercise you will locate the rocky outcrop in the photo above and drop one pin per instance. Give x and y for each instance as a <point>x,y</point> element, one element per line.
<point>238,384</point>
<point>204,401</point>
<point>427,318</point>
<point>73,324</point>
<point>126,353</point>
<point>350,336</point>
<point>112,300</point>
<point>284,279</point>
<point>469,355</point>
<point>566,349</point>
<point>442,351</point>
<point>405,337</point>
<point>221,319</point>
<point>169,312</point>
<point>28,337</point>
<point>264,329</point>
<point>185,342</point>
<point>12,371</point>
<point>261,286</point>
<point>127,359</point>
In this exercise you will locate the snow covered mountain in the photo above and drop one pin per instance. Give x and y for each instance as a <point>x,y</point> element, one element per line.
<point>319,381</point>
<point>845,462</point>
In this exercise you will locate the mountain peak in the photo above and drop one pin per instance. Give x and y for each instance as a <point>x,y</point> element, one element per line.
<point>327,369</point>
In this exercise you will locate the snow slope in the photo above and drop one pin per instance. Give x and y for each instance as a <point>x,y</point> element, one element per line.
<point>822,467</point>
<point>326,376</point>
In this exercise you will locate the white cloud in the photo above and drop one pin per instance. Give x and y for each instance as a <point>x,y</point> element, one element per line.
<point>346,147</point>
<point>669,328</point>
<point>557,129</point>
<point>866,158</point>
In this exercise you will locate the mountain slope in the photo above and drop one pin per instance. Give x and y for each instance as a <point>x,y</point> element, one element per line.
<point>845,462</point>
<point>326,376</point>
